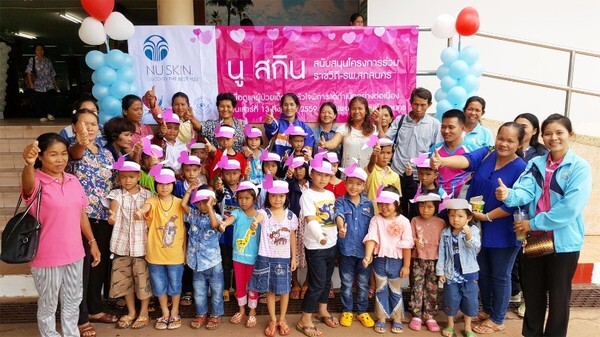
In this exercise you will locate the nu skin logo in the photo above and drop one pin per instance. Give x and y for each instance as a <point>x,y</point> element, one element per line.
<point>156,48</point>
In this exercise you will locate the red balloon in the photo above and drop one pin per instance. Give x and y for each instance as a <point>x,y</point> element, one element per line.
<point>467,21</point>
<point>99,9</point>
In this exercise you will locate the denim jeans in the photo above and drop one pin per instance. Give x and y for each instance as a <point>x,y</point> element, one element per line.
<point>351,267</point>
<point>495,267</point>
<point>165,279</point>
<point>213,278</point>
<point>388,293</point>
<point>321,263</point>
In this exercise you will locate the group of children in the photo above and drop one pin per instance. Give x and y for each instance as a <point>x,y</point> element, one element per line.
<point>253,213</point>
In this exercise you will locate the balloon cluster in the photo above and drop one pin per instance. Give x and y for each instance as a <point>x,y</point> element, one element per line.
<point>113,74</point>
<point>461,70</point>
<point>113,78</point>
<point>4,50</point>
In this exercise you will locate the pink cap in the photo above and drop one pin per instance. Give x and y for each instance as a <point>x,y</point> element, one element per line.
<point>295,162</point>
<point>275,186</point>
<point>203,194</point>
<point>247,185</point>
<point>320,165</point>
<point>421,161</point>
<point>151,149</point>
<point>353,171</point>
<point>123,165</point>
<point>162,176</point>
<point>269,156</point>
<point>332,157</point>
<point>169,117</point>
<point>185,158</point>
<point>386,197</point>
<point>224,131</point>
<point>294,130</point>
<point>252,132</point>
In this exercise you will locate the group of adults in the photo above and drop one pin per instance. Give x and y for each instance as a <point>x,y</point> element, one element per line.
<point>552,182</point>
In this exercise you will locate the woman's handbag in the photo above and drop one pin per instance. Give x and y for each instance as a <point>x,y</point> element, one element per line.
<point>21,235</point>
<point>539,243</point>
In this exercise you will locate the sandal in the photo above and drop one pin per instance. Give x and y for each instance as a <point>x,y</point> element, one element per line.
<point>186,300</point>
<point>308,331</point>
<point>432,325</point>
<point>488,327</point>
<point>104,318</point>
<point>237,318</point>
<point>303,292</point>
<point>482,316</point>
<point>140,322</point>
<point>284,328</point>
<point>251,322</point>
<point>330,321</point>
<point>213,322</point>
<point>271,329</point>
<point>295,293</point>
<point>397,327</point>
<point>198,321</point>
<point>448,332</point>
<point>86,330</point>
<point>468,333</point>
<point>125,322</point>
<point>174,323</point>
<point>379,327</point>
<point>162,323</point>
<point>415,324</point>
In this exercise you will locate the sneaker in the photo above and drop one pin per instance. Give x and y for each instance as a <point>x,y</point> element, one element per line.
<point>521,310</point>
<point>50,117</point>
<point>43,119</point>
<point>516,298</point>
<point>346,319</point>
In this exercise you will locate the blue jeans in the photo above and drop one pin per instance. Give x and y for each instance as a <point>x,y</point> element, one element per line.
<point>165,279</point>
<point>495,267</point>
<point>213,278</point>
<point>388,293</point>
<point>321,263</point>
<point>351,267</point>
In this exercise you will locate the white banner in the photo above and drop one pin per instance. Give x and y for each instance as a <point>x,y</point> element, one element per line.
<point>177,58</point>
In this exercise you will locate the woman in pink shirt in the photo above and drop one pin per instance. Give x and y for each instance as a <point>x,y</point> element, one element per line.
<point>58,265</point>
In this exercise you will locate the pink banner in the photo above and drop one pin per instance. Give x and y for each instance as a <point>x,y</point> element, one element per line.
<point>319,64</point>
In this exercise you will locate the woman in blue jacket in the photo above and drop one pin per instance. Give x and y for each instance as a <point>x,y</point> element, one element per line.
<point>275,128</point>
<point>556,187</point>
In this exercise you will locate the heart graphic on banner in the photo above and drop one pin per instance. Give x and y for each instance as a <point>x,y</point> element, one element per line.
<point>237,35</point>
<point>196,31</point>
<point>331,36</point>
<point>292,33</point>
<point>315,37</point>
<point>273,34</point>
<point>348,37</point>
<point>325,31</point>
<point>379,31</point>
<point>206,37</point>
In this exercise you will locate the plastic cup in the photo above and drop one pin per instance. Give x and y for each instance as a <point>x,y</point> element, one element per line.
<point>517,216</point>
<point>477,206</point>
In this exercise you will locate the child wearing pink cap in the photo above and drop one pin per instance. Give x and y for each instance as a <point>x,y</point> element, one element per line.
<point>252,151</point>
<point>165,252</point>
<point>225,136</point>
<point>380,173</point>
<point>130,276</point>
<point>151,155</point>
<point>171,145</point>
<point>390,240</point>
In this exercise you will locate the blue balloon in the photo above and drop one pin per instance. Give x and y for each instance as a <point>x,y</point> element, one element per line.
<point>95,59</point>
<point>469,54</point>
<point>106,75</point>
<point>470,82</point>
<point>134,89</point>
<point>440,95</point>
<point>126,74</point>
<point>100,91</point>
<point>442,71</point>
<point>441,107</point>
<point>104,118</point>
<point>95,79</point>
<point>472,93</point>
<point>457,95</point>
<point>119,89</point>
<point>476,69</point>
<point>111,106</point>
<point>128,60</point>
<point>115,59</point>
<point>459,69</point>
<point>449,55</point>
<point>448,83</point>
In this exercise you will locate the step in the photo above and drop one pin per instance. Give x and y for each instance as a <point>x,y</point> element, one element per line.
<point>29,128</point>
<point>9,196</point>
<point>11,160</point>
<point>10,177</point>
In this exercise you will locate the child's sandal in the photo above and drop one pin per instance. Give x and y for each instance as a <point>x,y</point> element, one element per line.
<point>198,322</point>
<point>251,322</point>
<point>284,328</point>
<point>271,329</point>
<point>213,322</point>
<point>237,318</point>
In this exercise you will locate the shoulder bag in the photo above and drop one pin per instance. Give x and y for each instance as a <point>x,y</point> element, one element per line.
<point>21,235</point>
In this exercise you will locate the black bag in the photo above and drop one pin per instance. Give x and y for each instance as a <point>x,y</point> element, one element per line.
<point>21,235</point>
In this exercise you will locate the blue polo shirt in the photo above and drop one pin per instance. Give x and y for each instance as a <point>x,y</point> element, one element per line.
<point>357,217</point>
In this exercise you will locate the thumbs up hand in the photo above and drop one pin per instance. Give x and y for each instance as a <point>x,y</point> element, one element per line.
<point>436,160</point>
<point>30,153</point>
<point>343,230</point>
<point>270,117</point>
<point>322,142</point>
<point>501,191</point>
<point>150,95</point>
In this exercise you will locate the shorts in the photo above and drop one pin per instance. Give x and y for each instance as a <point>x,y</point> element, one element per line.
<point>166,279</point>
<point>130,275</point>
<point>271,275</point>
<point>463,296</point>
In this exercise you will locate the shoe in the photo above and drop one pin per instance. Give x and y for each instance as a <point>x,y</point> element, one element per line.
<point>366,320</point>
<point>43,119</point>
<point>346,319</point>
<point>432,325</point>
<point>225,295</point>
<point>415,324</point>
<point>516,298</point>
<point>50,117</point>
<point>521,310</point>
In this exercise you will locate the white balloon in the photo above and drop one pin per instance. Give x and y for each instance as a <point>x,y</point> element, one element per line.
<point>118,27</point>
<point>444,26</point>
<point>92,32</point>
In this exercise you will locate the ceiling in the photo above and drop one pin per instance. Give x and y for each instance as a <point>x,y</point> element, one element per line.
<point>40,18</point>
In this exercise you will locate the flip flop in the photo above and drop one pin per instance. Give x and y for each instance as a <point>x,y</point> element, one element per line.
<point>125,322</point>
<point>308,331</point>
<point>468,333</point>
<point>87,330</point>
<point>140,322</point>
<point>330,321</point>
<point>397,327</point>
<point>488,327</point>
<point>379,327</point>
<point>448,332</point>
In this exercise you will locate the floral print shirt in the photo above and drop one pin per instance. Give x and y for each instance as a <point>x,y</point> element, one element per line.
<point>208,131</point>
<point>44,74</point>
<point>94,172</point>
